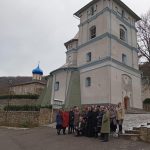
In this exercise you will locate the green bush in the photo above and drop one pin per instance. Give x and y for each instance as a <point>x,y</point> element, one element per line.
<point>19,96</point>
<point>146,101</point>
<point>22,108</point>
<point>46,106</point>
<point>25,107</point>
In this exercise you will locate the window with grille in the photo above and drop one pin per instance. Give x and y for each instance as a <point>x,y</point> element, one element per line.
<point>123,33</point>
<point>88,82</point>
<point>92,32</point>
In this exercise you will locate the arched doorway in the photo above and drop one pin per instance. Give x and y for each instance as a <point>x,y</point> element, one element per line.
<point>126,102</point>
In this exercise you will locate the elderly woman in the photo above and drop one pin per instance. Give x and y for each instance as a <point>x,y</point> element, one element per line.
<point>59,121</point>
<point>120,116</point>
<point>105,129</point>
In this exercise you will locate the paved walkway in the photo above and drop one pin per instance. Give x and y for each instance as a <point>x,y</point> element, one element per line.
<point>45,138</point>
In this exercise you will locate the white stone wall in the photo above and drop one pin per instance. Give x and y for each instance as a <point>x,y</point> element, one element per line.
<point>99,91</point>
<point>145,91</point>
<point>117,51</point>
<point>71,58</point>
<point>63,78</point>
<point>101,23</point>
<point>117,91</point>
<point>98,49</point>
<point>33,88</point>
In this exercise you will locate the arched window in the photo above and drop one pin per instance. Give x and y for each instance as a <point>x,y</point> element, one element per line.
<point>123,33</point>
<point>92,32</point>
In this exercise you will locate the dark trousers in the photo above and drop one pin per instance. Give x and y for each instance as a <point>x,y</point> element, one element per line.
<point>105,136</point>
<point>58,127</point>
<point>120,122</point>
<point>71,129</point>
<point>64,130</point>
<point>120,128</point>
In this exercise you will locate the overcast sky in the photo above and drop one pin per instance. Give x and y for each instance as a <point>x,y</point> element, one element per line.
<point>36,30</point>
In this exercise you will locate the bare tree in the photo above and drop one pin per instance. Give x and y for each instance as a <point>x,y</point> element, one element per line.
<point>143,28</point>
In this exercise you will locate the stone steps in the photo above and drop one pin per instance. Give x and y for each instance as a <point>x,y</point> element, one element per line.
<point>134,137</point>
<point>132,132</point>
<point>136,128</point>
<point>136,111</point>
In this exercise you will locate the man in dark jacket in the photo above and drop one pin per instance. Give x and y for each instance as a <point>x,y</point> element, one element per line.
<point>71,122</point>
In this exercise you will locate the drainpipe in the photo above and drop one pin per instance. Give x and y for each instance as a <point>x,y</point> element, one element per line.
<point>110,54</point>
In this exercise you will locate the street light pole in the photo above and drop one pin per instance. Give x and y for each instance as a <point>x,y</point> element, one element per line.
<point>10,92</point>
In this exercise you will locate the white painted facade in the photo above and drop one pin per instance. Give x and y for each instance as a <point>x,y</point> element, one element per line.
<point>112,64</point>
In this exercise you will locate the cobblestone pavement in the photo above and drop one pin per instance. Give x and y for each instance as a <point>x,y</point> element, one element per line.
<point>135,120</point>
<point>45,138</point>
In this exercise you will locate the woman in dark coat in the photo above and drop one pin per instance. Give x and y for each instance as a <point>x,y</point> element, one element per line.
<point>90,123</point>
<point>71,122</point>
<point>59,121</point>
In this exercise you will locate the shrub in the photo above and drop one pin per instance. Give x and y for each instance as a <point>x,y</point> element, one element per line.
<point>46,106</point>
<point>146,101</point>
<point>25,107</point>
<point>19,97</point>
<point>22,108</point>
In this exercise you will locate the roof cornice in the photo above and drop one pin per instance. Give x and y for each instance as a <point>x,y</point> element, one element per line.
<point>119,2</point>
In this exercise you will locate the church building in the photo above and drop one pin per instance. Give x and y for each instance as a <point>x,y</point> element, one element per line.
<point>101,60</point>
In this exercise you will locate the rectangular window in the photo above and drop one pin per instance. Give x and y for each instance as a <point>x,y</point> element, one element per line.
<point>124,58</point>
<point>56,86</point>
<point>92,10</point>
<point>88,57</point>
<point>88,82</point>
<point>122,35</point>
<point>92,32</point>
<point>123,14</point>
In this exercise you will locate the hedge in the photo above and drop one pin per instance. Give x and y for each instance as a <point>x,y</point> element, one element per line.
<point>25,107</point>
<point>146,101</point>
<point>19,96</point>
<point>21,108</point>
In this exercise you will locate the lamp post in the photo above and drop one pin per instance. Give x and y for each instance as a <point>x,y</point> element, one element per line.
<point>9,98</point>
<point>10,92</point>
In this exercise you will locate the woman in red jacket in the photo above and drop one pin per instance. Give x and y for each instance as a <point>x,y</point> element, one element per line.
<point>65,118</point>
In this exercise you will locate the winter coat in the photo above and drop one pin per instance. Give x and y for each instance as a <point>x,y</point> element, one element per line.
<point>65,116</point>
<point>105,123</point>
<point>120,113</point>
<point>99,119</point>
<point>76,118</point>
<point>71,118</point>
<point>59,119</point>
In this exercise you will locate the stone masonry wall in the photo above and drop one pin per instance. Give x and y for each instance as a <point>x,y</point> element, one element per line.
<point>145,134</point>
<point>25,118</point>
<point>146,107</point>
<point>19,118</point>
<point>45,116</point>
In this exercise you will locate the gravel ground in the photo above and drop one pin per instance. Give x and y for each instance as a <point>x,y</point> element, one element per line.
<point>45,138</point>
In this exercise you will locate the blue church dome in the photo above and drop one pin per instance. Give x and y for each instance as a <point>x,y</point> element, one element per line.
<point>37,71</point>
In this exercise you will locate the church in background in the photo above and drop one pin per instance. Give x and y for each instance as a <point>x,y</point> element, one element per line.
<point>23,90</point>
<point>101,60</point>
<point>33,87</point>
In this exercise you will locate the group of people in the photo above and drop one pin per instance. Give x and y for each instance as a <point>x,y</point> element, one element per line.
<point>93,121</point>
